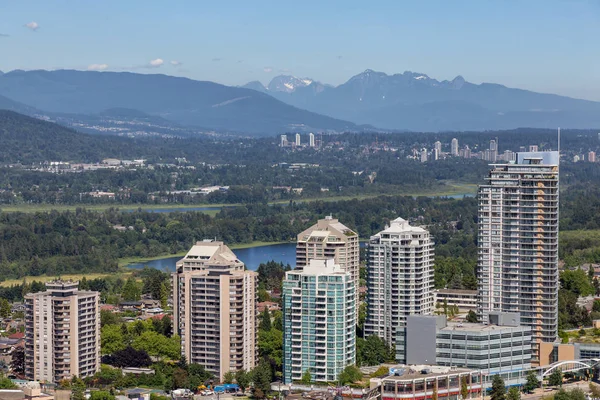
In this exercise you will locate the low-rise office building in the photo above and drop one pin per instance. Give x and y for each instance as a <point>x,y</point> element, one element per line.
<point>422,381</point>
<point>501,347</point>
<point>465,300</point>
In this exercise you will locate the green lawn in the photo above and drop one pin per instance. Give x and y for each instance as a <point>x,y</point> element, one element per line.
<point>75,277</point>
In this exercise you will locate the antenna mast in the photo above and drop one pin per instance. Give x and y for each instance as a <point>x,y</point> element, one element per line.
<point>559,143</point>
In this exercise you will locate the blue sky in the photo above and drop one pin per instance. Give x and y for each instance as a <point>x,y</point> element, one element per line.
<point>550,46</point>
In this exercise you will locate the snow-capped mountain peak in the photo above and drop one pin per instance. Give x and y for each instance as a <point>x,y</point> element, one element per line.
<point>288,83</point>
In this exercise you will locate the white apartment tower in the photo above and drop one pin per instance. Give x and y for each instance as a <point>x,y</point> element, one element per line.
<point>423,155</point>
<point>62,332</point>
<point>518,242</point>
<point>438,146</point>
<point>399,278</point>
<point>284,141</point>
<point>311,139</point>
<point>214,309</point>
<point>454,147</point>
<point>319,322</point>
<point>330,239</point>
<point>297,140</point>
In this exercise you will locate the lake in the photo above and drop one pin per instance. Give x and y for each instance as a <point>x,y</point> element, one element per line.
<point>251,256</point>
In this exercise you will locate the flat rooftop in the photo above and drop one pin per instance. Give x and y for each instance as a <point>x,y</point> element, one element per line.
<point>472,327</point>
<point>416,372</point>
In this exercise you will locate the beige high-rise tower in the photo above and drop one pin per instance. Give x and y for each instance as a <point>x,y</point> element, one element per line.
<point>214,309</point>
<point>329,238</point>
<point>62,332</point>
<point>517,269</point>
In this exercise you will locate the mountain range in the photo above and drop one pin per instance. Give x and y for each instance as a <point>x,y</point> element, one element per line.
<point>407,101</point>
<point>417,102</point>
<point>180,100</point>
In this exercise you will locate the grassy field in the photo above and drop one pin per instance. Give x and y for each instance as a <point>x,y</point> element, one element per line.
<point>449,189</point>
<point>75,277</point>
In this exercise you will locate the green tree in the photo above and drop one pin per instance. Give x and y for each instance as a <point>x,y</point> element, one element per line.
<point>350,374</point>
<point>265,320</point>
<point>373,351</point>
<point>17,360</point>
<point>261,376</point>
<point>306,377</point>
<point>109,318</point>
<point>77,389</point>
<point>243,379</point>
<point>498,391</point>
<point>6,383</point>
<point>575,394</point>
<point>270,345</point>
<point>532,382</point>
<point>5,309</point>
<point>228,377</point>
<point>577,281</point>
<point>131,290</point>
<point>111,339</point>
<point>464,388</point>
<point>158,345</point>
<point>164,295</point>
<point>513,394</point>
<point>472,317</point>
<point>101,395</point>
<point>556,378</point>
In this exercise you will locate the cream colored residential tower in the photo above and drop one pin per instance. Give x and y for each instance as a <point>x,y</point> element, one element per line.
<point>62,332</point>
<point>329,238</point>
<point>214,309</point>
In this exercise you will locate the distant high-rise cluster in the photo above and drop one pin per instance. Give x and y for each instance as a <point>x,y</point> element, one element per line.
<point>454,147</point>
<point>297,141</point>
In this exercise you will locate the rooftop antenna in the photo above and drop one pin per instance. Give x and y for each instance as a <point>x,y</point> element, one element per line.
<point>559,143</point>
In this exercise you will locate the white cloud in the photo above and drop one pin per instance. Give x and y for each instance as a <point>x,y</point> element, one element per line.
<point>176,63</point>
<point>97,67</point>
<point>268,69</point>
<point>156,63</point>
<point>33,25</point>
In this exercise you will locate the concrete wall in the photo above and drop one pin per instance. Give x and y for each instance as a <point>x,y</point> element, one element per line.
<point>421,334</point>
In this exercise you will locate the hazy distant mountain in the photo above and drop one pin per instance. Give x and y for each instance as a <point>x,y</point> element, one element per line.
<point>417,102</point>
<point>182,100</point>
<point>8,104</point>
<point>255,85</point>
<point>26,139</point>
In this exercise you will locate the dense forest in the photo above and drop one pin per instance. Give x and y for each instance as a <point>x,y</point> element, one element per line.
<point>86,241</point>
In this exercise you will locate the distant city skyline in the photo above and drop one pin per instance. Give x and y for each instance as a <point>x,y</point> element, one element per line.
<point>542,46</point>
